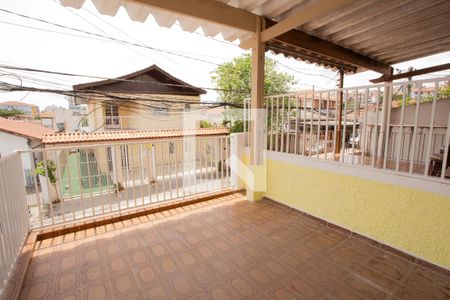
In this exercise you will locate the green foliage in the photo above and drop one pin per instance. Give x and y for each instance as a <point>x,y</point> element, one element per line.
<point>51,168</point>
<point>237,126</point>
<point>236,76</point>
<point>233,79</point>
<point>4,113</point>
<point>206,124</point>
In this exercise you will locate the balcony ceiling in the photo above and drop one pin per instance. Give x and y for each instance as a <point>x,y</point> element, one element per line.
<point>383,32</point>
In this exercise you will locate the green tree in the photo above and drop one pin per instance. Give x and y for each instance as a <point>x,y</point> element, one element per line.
<point>10,113</point>
<point>233,79</point>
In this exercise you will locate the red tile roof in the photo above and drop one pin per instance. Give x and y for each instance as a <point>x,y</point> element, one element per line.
<point>128,135</point>
<point>24,129</point>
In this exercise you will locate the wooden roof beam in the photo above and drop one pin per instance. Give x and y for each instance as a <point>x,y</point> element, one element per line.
<point>316,10</point>
<point>207,10</point>
<point>385,78</point>
<point>299,39</point>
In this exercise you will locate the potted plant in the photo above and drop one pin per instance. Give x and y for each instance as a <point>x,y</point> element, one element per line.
<point>49,193</point>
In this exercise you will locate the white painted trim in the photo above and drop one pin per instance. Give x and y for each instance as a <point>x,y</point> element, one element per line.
<point>384,176</point>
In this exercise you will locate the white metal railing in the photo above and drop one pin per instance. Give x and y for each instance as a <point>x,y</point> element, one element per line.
<point>67,184</point>
<point>409,134</point>
<point>14,225</point>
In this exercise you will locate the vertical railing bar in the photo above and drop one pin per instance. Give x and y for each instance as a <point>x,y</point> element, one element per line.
<point>154,167</point>
<point>400,139</point>
<point>318,124</point>
<point>69,178</point>
<point>377,109</point>
<point>430,131</point>
<point>296,124</point>
<point>447,141</point>
<point>174,166</point>
<point>326,125</point>
<point>149,172</point>
<point>190,162</point>
<point>99,177</point>
<point>363,134</point>
<point>36,188</point>
<point>355,111</point>
<point>133,175</point>
<point>227,158</point>
<point>288,127</point>
<point>89,180</point>
<point>170,169</point>
<point>388,126</point>
<point>283,112</point>
<point>272,146</point>
<point>180,160</point>
<point>80,180</point>
<point>52,215</point>
<point>335,132</point>
<point>163,166</point>
<point>266,106</point>
<point>276,125</point>
<point>311,128</point>
<point>342,154</point>
<point>141,171</point>
<point>222,162</point>
<point>114,158</point>
<point>108,176</point>
<point>209,172</point>
<point>305,104</point>
<point>217,158</point>
<point>58,166</point>
<point>245,116</point>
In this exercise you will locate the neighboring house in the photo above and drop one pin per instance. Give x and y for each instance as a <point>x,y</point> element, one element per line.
<point>118,156</point>
<point>17,135</point>
<point>146,99</point>
<point>48,119</point>
<point>62,119</point>
<point>28,109</point>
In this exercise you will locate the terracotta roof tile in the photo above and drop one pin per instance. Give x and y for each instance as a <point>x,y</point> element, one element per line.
<point>110,136</point>
<point>25,129</point>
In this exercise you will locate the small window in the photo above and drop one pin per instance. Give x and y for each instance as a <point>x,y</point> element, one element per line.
<point>171,148</point>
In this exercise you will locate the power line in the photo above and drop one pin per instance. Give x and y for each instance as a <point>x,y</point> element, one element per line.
<point>88,94</point>
<point>108,37</point>
<point>113,79</point>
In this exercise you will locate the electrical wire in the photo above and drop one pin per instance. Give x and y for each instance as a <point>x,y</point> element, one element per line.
<point>106,37</point>
<point>114,79</point>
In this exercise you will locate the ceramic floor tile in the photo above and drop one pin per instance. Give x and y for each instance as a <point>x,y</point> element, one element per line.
<point>225,248</point>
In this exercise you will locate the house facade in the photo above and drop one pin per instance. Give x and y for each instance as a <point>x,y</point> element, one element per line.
<point>143,100</point>
<point>27,109</point>
<point>17,135</point>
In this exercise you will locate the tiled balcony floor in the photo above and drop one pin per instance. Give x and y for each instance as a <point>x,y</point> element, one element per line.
<point>227,248</point>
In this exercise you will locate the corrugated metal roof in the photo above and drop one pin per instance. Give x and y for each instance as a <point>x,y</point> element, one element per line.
<point>390,31</point>
<point>128,135</point>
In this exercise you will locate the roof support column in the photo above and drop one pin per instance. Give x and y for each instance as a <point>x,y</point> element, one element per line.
<point>257,97</point>
<point>386,107</point>
<point>257,133</point>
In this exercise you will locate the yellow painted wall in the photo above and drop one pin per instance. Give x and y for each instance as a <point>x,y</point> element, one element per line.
<point>411,220</point>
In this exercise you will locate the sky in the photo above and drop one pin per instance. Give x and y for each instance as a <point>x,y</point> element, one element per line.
<point>75,53</point>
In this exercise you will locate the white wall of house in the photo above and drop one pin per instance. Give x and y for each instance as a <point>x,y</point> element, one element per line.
<point>10,143</point>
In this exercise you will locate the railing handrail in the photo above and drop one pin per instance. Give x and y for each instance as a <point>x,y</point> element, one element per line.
<point>119,143</point>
